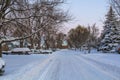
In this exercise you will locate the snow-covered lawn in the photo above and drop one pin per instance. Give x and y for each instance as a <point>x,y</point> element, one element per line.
<point>62,65</point>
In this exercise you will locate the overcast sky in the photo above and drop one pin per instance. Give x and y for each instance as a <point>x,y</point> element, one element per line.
<point>86,12</point>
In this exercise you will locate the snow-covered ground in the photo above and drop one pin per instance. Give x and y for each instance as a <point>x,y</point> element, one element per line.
<point>62,65</point>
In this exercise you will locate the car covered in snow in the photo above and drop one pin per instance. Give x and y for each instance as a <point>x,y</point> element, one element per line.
<point>21,51</point>
<point>2,66</point>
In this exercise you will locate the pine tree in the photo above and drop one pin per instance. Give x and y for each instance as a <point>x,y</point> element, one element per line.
<point>110,36</point>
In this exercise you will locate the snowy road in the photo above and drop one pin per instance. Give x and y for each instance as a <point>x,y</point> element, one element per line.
<point>63,65</point>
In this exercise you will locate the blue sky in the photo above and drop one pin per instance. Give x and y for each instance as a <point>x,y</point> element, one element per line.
<point>86,12</point>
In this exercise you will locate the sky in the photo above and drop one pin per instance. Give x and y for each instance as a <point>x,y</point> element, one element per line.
<point>86,12</point>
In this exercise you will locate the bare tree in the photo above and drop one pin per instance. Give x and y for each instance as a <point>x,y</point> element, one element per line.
<point>93,37</point>
<point>29,19</point>
<point>52,15</point>
<point>78,36</point>
<point>59,40</point>
<point>71,38</point>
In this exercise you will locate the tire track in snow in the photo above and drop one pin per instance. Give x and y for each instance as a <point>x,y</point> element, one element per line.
<point>67,69</point>
<point>106,67</point>
<point>30,72</point>
<point>52,71</point>
<point>97,67</point>
<point>77,70</point>
<point>43,76</point>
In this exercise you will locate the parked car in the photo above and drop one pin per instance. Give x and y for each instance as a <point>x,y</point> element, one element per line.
<point>46,51</point>
<point>2,66</point>
<point>54,49</point>
<point>6,52</point>
<point>21,51</point>
<point>34,51</point>
<point>118,49</point>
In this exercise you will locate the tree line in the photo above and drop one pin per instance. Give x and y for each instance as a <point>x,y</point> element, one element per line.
<point>23,19</point>
<point>83,36</point>
<point>109,39</point>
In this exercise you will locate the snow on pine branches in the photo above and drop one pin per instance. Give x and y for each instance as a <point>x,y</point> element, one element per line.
<point>110,37</point>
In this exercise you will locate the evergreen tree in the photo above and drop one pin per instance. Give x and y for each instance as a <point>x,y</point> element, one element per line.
<point>110,37</point>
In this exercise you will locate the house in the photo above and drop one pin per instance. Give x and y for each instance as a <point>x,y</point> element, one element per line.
<point>14,44</point>
<point>64,44</point>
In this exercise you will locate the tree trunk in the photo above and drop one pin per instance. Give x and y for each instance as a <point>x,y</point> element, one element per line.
<point>0,50</point>
<point>46,44</point>
<point>80,48</point>
<point>39,46</point>
<point>21,43</point>
<point>31,42</point>
<point>89,46</point>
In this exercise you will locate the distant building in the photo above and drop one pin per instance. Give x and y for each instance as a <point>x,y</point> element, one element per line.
<point>15,44</point>
<point>65,44</point>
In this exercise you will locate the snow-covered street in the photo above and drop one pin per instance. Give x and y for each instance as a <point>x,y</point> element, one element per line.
<point>63,65</point>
